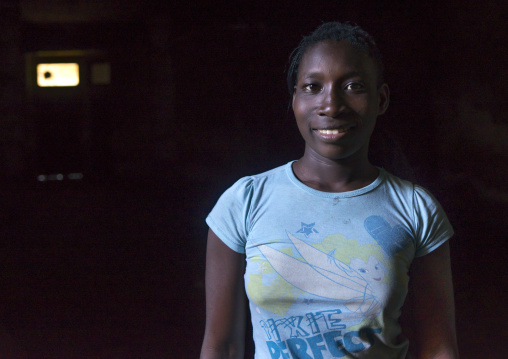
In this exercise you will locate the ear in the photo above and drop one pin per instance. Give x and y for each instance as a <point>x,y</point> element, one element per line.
<point>384,98</point>
<point>293,99</point>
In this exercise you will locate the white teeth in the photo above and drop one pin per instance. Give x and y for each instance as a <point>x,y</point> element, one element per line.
<point>335,131</point>
<point>331,132</point>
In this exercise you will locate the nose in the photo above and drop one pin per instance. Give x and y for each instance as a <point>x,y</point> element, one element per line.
<point>332,104</point>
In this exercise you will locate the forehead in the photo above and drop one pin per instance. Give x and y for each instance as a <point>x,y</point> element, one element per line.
<point>336,56</point>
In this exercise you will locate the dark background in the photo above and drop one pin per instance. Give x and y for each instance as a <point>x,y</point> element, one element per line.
<point>112,266</point>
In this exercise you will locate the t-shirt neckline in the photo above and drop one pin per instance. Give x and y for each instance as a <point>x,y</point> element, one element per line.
<point>315,192</point>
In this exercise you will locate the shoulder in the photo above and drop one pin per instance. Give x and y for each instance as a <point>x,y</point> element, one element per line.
<point>411,188</point>
<point>398,187</point>
<point>251,183</point>
<point>431,225</point>
<point>271,175</point>
<point>396,181</point>
<point>231,217</point>
<point>415,195</point>
<point>249,187</point>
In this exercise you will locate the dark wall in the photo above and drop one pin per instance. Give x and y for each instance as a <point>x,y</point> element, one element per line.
<point>198,98</point>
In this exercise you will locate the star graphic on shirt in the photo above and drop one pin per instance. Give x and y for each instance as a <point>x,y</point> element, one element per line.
<point>307,229</point>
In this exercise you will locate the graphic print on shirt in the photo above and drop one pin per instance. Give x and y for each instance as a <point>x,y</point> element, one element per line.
<point>339,270</point>
<point>391,239</point>
<point>307,229</point>
<point>333,268</point>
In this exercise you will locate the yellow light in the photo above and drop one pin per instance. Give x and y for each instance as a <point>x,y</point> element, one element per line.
<point>58,75</point>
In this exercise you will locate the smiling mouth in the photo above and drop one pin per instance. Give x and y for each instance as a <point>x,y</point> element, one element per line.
<point>335,131</point>
<point>330,132</point>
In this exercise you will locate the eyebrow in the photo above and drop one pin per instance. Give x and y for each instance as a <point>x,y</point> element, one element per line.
<point>318,74</point>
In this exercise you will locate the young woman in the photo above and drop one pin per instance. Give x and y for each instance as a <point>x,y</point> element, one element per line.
<point>323,245</point>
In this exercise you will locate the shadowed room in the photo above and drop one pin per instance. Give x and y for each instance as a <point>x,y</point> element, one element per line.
<point>122,122</point>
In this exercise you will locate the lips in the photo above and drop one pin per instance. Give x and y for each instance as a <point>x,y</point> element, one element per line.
<point>334,132</point>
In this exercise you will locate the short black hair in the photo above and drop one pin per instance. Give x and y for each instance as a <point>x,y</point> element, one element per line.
<point>335,31</point>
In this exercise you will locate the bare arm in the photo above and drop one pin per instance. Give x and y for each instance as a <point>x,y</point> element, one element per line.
<point>433,308</point>
<point>225,302</point>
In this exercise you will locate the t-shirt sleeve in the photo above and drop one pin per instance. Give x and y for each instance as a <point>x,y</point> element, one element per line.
<point>229,218</point>
<point>432,225</point>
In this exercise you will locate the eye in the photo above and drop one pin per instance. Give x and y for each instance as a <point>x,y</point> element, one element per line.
<point>354,86</point>
<point>311,87</point>
<point>361,270</point>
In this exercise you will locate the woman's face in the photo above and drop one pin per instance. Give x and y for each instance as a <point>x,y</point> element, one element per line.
<point>371,271</point>
<point>336,100</point>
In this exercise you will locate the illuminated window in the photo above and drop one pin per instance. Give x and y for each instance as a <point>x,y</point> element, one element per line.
<point>58,75</point>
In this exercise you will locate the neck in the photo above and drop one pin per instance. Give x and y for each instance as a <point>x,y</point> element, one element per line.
<point>335,175</point>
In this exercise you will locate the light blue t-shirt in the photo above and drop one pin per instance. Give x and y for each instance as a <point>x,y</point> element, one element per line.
<point>326,273</point>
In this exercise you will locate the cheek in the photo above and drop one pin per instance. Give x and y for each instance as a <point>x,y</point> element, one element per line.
<point>303,113</point>
<point>302,128</point>
<point>303,104</point>
<point>299,113</point>
<point>297,109</point>
<point>361,106</point>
